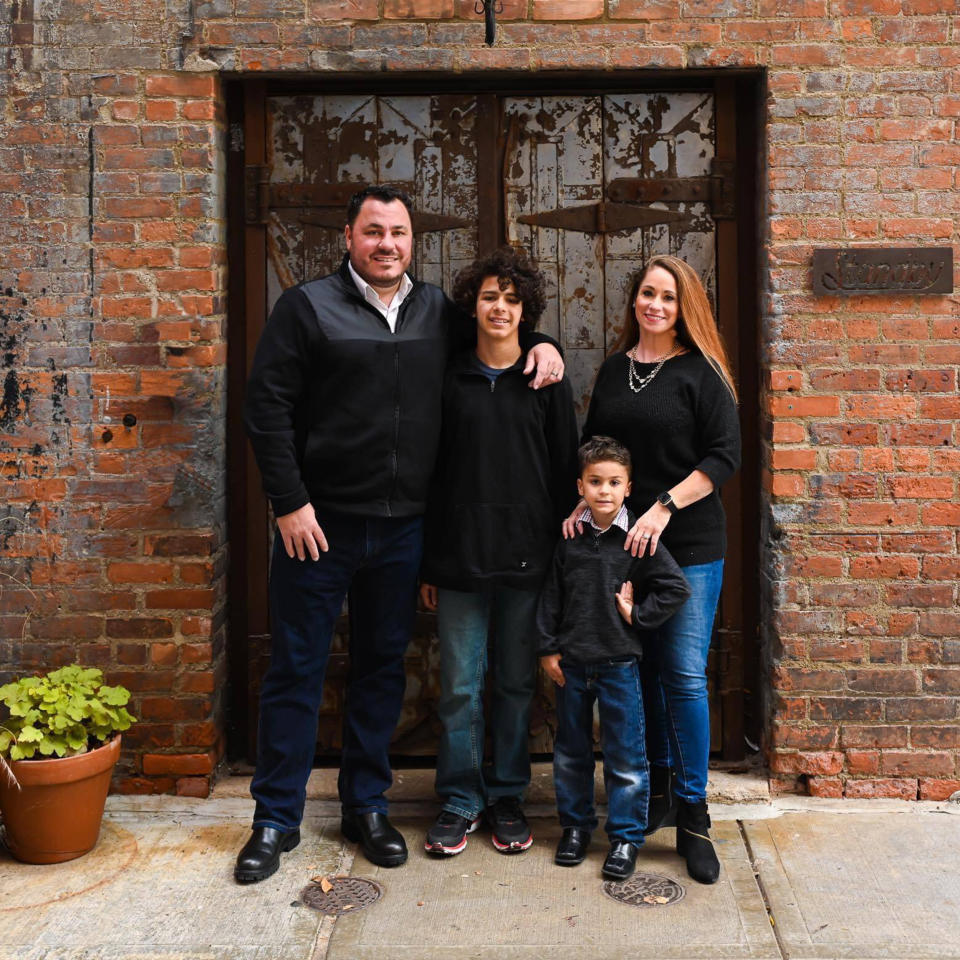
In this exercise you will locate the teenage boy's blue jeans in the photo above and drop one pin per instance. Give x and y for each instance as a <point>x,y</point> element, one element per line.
<point>465,621</point>
<point>674,672</point>
<point>615,685</point>
<point>377,559</point>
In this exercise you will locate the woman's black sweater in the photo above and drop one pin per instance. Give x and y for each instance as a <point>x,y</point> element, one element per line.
<point>504,480</point>
<point>684,420</point>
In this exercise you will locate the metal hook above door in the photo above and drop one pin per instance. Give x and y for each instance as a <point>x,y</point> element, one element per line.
<point>489,9</point>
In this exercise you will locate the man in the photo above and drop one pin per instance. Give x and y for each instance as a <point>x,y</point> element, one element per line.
<point>343,412</point>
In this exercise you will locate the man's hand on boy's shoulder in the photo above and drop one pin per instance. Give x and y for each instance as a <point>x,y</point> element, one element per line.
<point>573,524</point>
<point>545,360</point>
<point>551,667</point>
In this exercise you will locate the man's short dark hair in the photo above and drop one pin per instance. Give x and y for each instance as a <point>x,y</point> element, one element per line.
<point>383,193</point>
<point>603,450</point>
<point>508,265</point>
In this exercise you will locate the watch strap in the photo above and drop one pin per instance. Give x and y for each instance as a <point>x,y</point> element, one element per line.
<point>666,500</point>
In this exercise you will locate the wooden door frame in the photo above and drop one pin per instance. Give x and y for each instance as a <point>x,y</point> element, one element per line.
<point>738,103</point>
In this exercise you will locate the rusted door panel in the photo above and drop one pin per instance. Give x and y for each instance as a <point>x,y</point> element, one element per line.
<point>554,159</point>
<point>653,136</point>
<point>425,145</point>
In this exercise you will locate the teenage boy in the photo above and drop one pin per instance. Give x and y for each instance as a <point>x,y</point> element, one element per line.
<point>597,604</point>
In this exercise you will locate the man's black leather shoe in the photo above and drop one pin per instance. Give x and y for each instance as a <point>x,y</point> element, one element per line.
<point>260,857</point>
<point>381,843</point>
<point>572,848</point>
<point>621,860</point>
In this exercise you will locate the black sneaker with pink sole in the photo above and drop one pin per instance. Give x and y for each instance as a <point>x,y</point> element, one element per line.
<point>511,832</point>
<point>448,835</point>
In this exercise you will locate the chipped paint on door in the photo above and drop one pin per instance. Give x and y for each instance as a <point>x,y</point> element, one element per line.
<point>423,145</point>
<point>563,152</point>
<point>657,135</point>
<point>555,160</point>
<point>559,153</point>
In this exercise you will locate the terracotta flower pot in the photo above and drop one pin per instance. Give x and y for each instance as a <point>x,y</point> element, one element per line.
<point>56,813</point>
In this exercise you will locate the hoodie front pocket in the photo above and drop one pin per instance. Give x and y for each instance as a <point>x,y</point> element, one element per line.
<point>492,537</point>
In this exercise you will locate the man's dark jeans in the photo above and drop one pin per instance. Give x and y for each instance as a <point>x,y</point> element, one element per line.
<point>377,560</point>
<point>615,686</point>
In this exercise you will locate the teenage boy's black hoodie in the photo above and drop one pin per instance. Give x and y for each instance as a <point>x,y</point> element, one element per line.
<point>505,478</point>
<point>578,615</point>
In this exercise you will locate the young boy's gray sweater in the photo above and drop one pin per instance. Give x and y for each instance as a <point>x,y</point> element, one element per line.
<point>577,615</point>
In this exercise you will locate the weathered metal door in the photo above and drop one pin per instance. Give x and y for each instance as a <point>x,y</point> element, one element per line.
<point>590,185</point>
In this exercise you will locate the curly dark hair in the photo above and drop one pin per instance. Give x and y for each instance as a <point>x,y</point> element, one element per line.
<point>508,265</point>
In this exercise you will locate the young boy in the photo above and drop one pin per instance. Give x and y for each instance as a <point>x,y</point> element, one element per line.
<point>596,604</point>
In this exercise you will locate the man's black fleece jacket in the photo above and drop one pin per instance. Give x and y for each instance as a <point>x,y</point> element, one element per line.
<point>343,413</point>
<point>577,615</point>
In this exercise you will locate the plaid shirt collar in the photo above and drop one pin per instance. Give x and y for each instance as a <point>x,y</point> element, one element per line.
<point>621,520</point>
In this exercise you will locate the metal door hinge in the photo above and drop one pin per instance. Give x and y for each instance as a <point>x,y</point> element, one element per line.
<point>717,190</point>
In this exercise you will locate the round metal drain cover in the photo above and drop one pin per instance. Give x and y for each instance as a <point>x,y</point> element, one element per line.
<point>335,896</point>
<point>645,890</point>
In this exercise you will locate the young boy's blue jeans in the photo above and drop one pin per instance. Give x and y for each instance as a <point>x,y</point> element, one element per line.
<point>615,685</point>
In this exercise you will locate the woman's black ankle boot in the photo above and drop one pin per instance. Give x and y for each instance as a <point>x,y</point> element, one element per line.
<point>662,811</point>
<point>694,843</point>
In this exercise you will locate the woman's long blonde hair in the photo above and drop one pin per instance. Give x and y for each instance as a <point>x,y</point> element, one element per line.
<point>696,327</point>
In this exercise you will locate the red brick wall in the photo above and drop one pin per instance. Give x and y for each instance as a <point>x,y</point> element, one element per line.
<point>112,281</point>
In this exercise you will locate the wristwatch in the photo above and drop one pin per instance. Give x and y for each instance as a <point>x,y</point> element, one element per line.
<point>667,501</point>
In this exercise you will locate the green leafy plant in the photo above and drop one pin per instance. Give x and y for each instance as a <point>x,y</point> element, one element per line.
<point>62,714</point>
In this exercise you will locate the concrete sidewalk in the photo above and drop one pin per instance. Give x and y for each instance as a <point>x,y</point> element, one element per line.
<point>801,878</point>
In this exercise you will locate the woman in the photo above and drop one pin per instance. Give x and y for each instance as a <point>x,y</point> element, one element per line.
<point>666,392</point>
<point>504,476</point>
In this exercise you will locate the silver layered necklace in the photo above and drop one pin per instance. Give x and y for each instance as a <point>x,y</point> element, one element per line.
<point>637,383</point>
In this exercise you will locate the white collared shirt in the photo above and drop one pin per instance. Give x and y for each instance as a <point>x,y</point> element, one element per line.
<point>370,294</point>
<point>621,520</point>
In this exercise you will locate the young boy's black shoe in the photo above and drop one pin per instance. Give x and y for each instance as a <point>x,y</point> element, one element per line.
<point>511,832</point>
<point>572,848</point>
<point>621,860</point>
<point>448,835</point>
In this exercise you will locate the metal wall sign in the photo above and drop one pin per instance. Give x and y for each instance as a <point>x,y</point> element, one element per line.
<point>856,271</point>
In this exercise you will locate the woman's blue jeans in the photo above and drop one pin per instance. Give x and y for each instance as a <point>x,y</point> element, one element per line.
<point>464,623</point>
<point>674,672</point>
<point>615,685</point>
